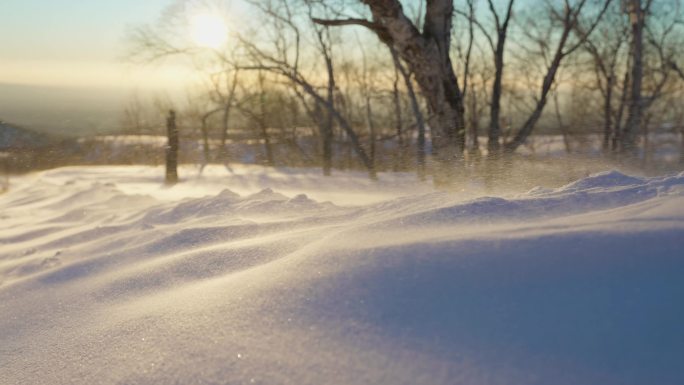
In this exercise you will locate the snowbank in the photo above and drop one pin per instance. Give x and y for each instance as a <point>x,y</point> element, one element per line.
<point>108,278</point>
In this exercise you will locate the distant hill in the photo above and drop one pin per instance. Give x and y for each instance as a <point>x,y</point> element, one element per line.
<point>13,137</point>
<point>66,111</point>
<point>23,149</point>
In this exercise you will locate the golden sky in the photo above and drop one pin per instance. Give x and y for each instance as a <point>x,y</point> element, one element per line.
<point>79,43</point>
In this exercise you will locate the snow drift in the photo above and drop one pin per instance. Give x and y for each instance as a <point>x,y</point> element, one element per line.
<point>107,278</point>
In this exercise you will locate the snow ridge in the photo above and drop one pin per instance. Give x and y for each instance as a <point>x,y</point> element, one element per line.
<point>121,281</point>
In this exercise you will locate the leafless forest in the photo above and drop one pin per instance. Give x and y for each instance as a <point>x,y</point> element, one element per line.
<point>442,88</point>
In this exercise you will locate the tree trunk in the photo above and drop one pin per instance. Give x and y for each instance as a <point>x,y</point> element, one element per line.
<point>437,80</point>
<point>268,149</point>
<point>618,131</point>
<point>634,114</point>
<point>531,121</point>
<point>473,126</point>
<point>494,134</point>
<point>418,114</point>
<point>172,149</point>
<point>371,130</point>
<point>681,146</point>
<point>570,20</point>
<point>607,114</point>
<point>647,150</point>
<point>561,125</point>
<point>341,121</point>
<point>427,56</point>
<point>223,150</point>
<point>205,141</point>
<point>263,124</point>
<point>400,154</point>
<point>327,139</point>
<point>327,128</point>
<point>494,137</point>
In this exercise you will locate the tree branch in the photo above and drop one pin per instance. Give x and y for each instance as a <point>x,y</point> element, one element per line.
<point>340,22</point>
<point>382,33</point>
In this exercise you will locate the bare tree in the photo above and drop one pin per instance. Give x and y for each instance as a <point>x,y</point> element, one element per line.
<point>135,120</point>
<point>327,125</point>
<point>427,54</point>
<point>651,58</point>
<point>367,90</point>
<point>172,149</point>
<point>284,61</point>
<point>400,156</point>
<point>224,95</point>
<point>470,98</point>
<point>605,49</point>
<point>254,105</point>
<point>162,41</point>
<point>637,10</point>
<point>567,18</point>
<point>417,113</point>
<point>677,69</point>
<point>493,143</point>
<point>497,45</point>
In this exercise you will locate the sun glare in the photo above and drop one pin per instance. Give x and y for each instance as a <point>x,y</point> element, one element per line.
<point>208,30</point>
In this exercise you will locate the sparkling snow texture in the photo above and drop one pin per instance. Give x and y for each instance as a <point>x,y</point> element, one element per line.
<point>106,277</point>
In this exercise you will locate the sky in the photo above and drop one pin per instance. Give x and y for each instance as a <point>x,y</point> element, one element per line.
<point>75,43</point>
<point>63,67</point>
<point>50,48</point>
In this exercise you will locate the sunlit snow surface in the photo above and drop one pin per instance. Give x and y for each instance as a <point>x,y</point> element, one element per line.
<point>106,277</point>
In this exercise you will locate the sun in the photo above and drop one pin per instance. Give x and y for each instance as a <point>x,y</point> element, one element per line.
<point>208,30</point>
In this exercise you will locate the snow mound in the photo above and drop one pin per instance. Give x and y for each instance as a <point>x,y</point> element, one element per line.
<point>606,179</point>
<point>228,204</point>
<point>105,277</point>
<point>194,208</point>
<point>597,192</point>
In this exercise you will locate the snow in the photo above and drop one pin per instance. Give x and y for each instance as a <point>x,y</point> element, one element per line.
<point>261,276</point>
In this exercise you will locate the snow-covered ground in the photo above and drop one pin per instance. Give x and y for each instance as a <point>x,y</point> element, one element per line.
<point>107,277</point>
